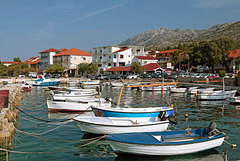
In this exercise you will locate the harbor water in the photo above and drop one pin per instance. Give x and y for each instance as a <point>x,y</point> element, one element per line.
<point>41,136</point>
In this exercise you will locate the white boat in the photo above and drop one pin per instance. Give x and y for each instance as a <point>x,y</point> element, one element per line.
<point>202,90</point>
<point>157,88</point>
<point>132,112</point>
<point>215,95</point>
<point>42,81</point>
<point>114,125</point>
<point>234,100</point>
<point>72,95</point>
<point>166,143</point>
<point>116,84</point>
<point>178,90</point>
<point>83,106</point>
<point>90,82</point>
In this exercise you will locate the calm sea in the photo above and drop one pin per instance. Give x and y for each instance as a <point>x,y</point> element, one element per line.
<point>47,136</point>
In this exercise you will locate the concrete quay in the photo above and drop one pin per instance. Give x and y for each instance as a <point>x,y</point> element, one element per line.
<point>9,113</point>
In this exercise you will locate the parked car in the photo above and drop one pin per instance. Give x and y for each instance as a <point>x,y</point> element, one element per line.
<point>103,77</point>
<point>55,75</point>
<point>133,76</point>
<point>32,74</point>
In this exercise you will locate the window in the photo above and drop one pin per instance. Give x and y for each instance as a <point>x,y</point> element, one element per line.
<point>84,58</point>
<point>109,64</point>
<point>109,57</point>
<point>121,56</point>
<point>115,56</point>
<point>121,64</point>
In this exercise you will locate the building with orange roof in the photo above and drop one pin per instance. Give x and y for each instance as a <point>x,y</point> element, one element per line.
<point>69,59</point>
<point>33,62</point>
<point>143,60</point>
<point>8,63</point>
<point>164,56</point>
<point>115,56</point>
<point>47,57</point>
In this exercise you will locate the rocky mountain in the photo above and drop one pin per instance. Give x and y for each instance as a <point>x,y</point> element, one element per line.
<point>171,37</point>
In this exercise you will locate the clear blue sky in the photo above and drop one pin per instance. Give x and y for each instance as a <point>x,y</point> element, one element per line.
<point>30,26</point>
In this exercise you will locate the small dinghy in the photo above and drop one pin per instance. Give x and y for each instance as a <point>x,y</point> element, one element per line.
<point>132,112</point>
<point>114,125</point>
<point>168,142</point>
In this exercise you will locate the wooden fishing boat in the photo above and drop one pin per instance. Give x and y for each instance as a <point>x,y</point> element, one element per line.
<point>90,82</point>
<point>167,142</point>
<point>113,125</point>
<point>132,112</point>
<point>178,90</point>
<point>202,90</point>
<point>80,106</point>
<point>157,88</point>
<point>116,84</point>
<point>73,95</point>
<point>215,95</point>
<point>234,100</point>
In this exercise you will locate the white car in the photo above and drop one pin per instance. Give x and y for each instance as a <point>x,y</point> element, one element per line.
<point>134,76</point>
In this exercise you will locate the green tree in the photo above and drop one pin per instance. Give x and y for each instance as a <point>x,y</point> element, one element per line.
<point>82,68</point>
<point>17,59</point>
<point>136,68</point>
<point>3,69</point>
<point>87,68</point>
<point>54,68</point>
<point>224,47</point>
<point>17,69</point>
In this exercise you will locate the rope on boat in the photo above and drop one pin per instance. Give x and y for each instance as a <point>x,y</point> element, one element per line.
<point>233,146</point>
<point>46,121</point>
<point>19,152</point>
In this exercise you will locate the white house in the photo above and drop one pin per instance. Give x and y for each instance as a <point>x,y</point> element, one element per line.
<point>115,56</point>
<point>47,57</point>
<point>143,60</point>
<point>69,59</point>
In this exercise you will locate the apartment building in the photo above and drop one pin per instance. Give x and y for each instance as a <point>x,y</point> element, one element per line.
<point>47,57</point>
<point>115,56</point>
<point>69,59</point>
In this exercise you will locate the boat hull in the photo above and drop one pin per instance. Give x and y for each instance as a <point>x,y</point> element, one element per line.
<point>134,112</point>
<point>116,125</point>
<point>166,142</point>
<point>52,83</point>
<point>164,150</point>
<point>58,106</point>
<point>216,95</point>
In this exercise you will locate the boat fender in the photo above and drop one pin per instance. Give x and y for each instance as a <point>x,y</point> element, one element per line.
<point>161,116</point>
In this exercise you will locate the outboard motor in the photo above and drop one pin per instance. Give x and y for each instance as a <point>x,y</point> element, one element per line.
<point>212,130</point>
<point>161,116</point>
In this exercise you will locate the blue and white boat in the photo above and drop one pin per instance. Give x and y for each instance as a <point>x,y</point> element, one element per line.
<point>45,82</point>
<point>132,112</point>
<point>166,143</point>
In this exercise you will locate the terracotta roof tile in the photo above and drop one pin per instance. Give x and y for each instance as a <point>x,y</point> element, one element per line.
<point>234,53</point>
<point>167,51</point>
<point>10,62</point>
<point>123,49</point>
<point>74,51</point>
<point>146,57</point>
<point>150,66</point>
<point>118,69</point>
<point>49,50</point>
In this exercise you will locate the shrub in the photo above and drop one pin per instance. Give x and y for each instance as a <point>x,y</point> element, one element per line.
<point>222,73</point>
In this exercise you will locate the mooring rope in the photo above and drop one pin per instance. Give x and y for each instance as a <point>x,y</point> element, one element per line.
<point>12,151</point>
<point>47,121</point>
